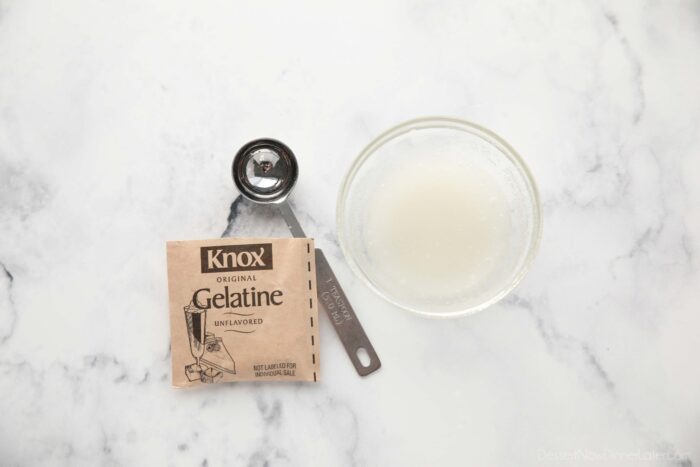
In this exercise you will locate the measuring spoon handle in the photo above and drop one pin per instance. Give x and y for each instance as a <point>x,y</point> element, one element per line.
<point>332,298</point>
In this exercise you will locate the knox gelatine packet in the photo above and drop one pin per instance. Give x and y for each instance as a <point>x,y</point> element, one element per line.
<point>243,309</point>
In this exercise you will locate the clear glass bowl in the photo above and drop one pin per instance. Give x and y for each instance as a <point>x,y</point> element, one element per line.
<point>463,192</point>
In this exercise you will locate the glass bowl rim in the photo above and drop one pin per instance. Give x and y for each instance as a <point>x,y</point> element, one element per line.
<point>451,124</point>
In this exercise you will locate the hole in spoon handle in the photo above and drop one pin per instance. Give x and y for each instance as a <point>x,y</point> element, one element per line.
<point>363,357</point>
<point>332,299</point>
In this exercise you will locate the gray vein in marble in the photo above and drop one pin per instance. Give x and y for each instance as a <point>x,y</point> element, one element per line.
<point>641,246</point>
<point>12,310</point>
<point>106,445</point>
<point>271,414</point>
<point>331,406</point>
<point>22,191</point>
<point>637,68</point>
<point>102,361</point>
<point>648,240</point>
<point>678,183</point>
<point>614,174</point>
<point>555,340</point>
<point>265,454</point>
<point>687,248</point>
<point>232,215</point>
<point>563,347</point>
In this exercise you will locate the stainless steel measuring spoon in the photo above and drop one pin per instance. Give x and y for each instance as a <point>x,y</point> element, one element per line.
<point>265,171</point>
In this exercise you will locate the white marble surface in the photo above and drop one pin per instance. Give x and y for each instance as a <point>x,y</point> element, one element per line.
<point>118,123</point>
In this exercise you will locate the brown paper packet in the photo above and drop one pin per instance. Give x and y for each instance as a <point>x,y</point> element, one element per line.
<point>243,309</point>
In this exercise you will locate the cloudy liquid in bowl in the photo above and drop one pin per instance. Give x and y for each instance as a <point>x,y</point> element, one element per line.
<point>439,216</point>
<point>438,230</point>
